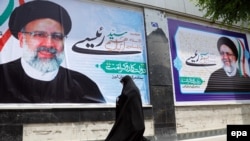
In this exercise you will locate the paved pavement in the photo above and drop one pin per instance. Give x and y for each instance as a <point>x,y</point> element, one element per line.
<point>212,138</point>
<point>173,138</point>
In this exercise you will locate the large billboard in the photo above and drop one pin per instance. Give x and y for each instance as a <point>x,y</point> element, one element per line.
<point>209,64</point>
<point>70,51</point>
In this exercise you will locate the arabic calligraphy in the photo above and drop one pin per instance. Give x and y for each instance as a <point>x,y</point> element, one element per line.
<point>191,80</point>
<point>120,45</point>
<point>88,42</point>
<point>113,35</point>
<point>124,67</point>
<point>201,59</point>
<point>116,43</point>
<point>121,76</point>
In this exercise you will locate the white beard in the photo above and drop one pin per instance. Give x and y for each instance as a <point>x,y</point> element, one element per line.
<point>231,70</point>
<point>42,65</point>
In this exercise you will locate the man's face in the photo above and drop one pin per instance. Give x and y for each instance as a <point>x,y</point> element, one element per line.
<point>42,41</point>
<point>228,58</point>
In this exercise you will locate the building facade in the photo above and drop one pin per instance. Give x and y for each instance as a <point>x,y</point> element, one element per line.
<point>166,34</point>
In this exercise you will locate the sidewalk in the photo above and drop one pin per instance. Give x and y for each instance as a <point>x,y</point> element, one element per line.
<point>212,138</point>
<point>173,138</point>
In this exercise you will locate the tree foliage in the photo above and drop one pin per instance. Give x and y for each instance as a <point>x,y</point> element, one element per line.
<point>229,11</point>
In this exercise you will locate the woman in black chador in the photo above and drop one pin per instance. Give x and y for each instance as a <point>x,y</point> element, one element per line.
<point>129,123</point>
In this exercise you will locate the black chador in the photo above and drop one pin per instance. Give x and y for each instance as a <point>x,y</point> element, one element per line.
<point>129,123</point>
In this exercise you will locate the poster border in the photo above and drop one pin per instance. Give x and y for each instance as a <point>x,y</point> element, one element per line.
<point>200,99</point>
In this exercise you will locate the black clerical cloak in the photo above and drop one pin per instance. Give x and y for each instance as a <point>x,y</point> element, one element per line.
<point>67,87</point>
<point>129,123</point>
<point>220,82</point>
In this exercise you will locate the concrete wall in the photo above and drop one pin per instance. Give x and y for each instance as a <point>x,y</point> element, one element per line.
<point>200,121</point>
<point>211,117</point>
<point>79,131</point>
<point>82,124</point>
<point>178,6</point>
<point>161,91</point>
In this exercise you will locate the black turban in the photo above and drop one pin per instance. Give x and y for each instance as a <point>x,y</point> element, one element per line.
<point>38,9</point>
<point>229,43</point>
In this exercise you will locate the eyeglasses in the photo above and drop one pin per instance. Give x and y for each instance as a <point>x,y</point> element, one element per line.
<point>226,53</point>
<point>44,35</point>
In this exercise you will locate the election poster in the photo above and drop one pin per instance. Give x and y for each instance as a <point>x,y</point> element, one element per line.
<point>209,64</point>
<point>70,51</point>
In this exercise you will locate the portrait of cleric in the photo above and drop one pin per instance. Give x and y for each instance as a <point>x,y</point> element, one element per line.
<point>41,27</point>
<point>228,78</point>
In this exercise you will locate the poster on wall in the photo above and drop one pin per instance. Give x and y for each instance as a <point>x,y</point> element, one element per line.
<point>209,64</point>
<point>69,52</point>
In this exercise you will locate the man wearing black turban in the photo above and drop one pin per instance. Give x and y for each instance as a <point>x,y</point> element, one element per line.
<point>227,78</point>
<point>129,123</point>
<point>37,77</point>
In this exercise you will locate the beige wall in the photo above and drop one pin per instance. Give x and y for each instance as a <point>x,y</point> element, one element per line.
<point>82,131</point>
<point>180,6</point>
<point>203,118</point>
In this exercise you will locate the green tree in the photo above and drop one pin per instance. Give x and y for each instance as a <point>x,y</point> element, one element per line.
<point>228,11</point>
